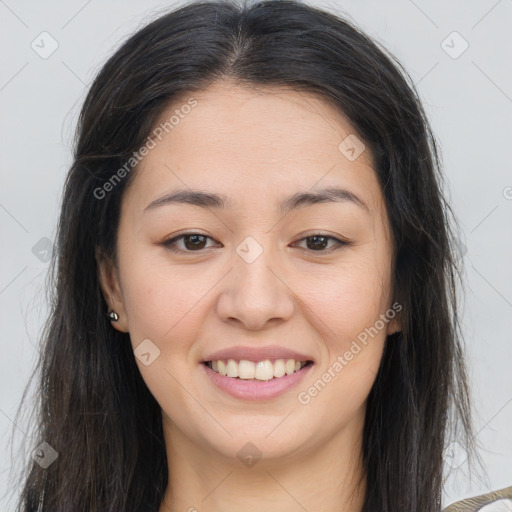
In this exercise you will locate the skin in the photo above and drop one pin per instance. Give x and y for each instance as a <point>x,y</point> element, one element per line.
<point>256,146</point>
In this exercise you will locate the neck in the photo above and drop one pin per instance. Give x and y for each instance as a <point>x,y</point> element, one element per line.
<point>329,478</point>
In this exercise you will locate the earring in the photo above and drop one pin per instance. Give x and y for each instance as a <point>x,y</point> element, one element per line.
<point>114,317</point>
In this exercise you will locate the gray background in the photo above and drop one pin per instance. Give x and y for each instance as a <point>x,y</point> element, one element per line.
<point>468,97</point>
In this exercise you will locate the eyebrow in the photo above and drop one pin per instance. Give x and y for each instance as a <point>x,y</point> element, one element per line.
<point>295,201</point>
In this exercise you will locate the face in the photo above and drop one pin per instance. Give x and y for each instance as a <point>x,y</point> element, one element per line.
<point>261,280</point>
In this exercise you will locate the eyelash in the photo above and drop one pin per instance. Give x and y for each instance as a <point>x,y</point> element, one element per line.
<point>168,244</point>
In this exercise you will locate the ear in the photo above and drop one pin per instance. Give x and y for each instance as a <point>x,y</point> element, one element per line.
<point>109,283</point>
<point>395,323</point>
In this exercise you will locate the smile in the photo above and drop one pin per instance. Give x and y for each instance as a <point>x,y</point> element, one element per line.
<point>261,380</point>
<point>265,370</point>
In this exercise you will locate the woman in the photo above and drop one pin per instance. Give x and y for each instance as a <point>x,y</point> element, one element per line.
<point>308,356</point>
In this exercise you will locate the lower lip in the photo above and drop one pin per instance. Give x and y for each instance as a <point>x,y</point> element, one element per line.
<point>256,389</point>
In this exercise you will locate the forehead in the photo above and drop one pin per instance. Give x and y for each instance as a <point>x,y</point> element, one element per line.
<point>268,121</point>
<point>250,143</point>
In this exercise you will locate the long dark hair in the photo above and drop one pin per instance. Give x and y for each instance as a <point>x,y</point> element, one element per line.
<point>93,406</point>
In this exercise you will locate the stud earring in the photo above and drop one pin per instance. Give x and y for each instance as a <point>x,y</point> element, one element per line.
<point>114,317</point>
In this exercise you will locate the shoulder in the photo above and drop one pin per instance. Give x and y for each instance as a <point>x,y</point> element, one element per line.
<point>496,501</point>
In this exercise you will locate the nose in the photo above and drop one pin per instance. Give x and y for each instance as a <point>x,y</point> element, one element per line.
<point>255,293</point>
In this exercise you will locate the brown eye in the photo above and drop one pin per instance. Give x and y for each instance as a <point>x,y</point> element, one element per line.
<point>319,242</point>
<point>192,242</point>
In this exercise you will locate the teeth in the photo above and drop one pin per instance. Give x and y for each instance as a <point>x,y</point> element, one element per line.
<point>232,368</point>
<point>246,369</point>
<point>222,368</point>
<point>279,370</point>
<point>262,370</point>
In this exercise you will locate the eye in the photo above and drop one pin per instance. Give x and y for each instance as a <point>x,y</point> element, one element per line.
<point>319,241</point>
<point>195,242</point>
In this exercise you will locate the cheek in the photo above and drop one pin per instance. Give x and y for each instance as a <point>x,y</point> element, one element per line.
<point>159,299</point>
<point>349,305</point>
<point>347,298</point>
<point>354,334</point>
<point>164,305</point>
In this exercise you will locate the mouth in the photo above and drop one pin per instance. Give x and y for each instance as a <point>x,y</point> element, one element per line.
<point>264,370</point>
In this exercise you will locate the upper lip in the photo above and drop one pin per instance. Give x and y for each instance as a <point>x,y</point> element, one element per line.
<point>256,354</point>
